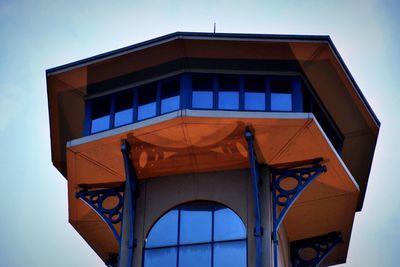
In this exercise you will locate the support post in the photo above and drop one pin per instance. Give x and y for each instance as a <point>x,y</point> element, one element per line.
<point>285,198</point>
<point>128,241</point>
<point>256,183</point>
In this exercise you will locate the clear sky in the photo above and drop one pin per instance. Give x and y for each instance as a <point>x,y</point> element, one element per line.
<point>37,35</point>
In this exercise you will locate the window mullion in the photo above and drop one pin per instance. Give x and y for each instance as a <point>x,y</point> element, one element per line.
<point>178,239</point>
<point>215,91</point>
<point>135,105</point>
<point>112,111</point>
<point>212,238</point>
<point>241,92</point>
<point>88,117</point>
<point>268,94</point>
<point>158,99</point>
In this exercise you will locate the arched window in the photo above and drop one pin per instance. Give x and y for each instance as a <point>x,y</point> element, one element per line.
<point>198,234</point>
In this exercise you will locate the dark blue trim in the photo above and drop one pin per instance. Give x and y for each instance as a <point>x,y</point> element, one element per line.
<point>112,111</point>
<point>131,191</point>
<point>186,91</point>
<point>135,105</point>
<point>88,118</point>
<point>215,91</point>
<point>241,92</point>
<point>158,98</point>
<point>268,94</point>
<point>256,183</point>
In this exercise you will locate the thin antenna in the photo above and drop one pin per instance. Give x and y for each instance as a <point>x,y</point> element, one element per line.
<point>215,26</point>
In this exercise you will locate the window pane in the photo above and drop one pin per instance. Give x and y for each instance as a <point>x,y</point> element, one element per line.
<point>254,84</point>
<point>100,124</point>
<point>123,117</point>
<point>281,95</point>
<point>228,100</point>
<point>146,111</point>
<point>196,223</point>
<point>229,83</point>
<point>123,108</point>
<point>162,257</point>
<point>281,86</point>
<point>169,104</point>
<point>232,254</point>
<point>147,102</point>
<point>170,96</point>
<point>195,256</point>
<point>202,99</point>
<point>165,231</point>
<point>228,96</point>
<point>254,101</point>
<point>228,225</point>
<point>281,102</point>
<point>100,114</point>
<point>202,82</point>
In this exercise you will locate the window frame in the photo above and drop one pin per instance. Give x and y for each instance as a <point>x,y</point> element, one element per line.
<point>211,243</point>
<point>301,93</point>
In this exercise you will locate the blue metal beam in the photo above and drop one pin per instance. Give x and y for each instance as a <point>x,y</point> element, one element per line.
<point>256,183</point>
<point>131,195</point>
<point>285,197</point>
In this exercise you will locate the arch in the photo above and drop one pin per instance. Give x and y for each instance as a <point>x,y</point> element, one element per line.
<point>199,233</point>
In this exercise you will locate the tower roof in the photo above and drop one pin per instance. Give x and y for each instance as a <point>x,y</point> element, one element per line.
<point>313,56</point>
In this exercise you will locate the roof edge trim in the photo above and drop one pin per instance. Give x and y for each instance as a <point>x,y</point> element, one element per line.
<point>185,35</point>
<point>188,113</point>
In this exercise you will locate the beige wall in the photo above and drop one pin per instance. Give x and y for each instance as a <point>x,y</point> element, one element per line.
<point>230,188</point>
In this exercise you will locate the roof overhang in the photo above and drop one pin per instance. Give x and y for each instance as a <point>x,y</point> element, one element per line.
<point>314,57</point>
<point>194,141</point>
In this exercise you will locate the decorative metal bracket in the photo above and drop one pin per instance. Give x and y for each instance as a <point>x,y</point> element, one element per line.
<point>285,197</point>
<point>311,252</point>
<point>113,215</point>
<point>256,184</point>
<point>96,200</point>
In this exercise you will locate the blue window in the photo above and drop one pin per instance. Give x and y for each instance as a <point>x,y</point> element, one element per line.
<point>202,91</point>
<point>198,234</point>
<point>160,257</point>
<point>232,254</point>
<point>228,95</point>
<point>123,108</point>
<point>170,92</point>
<point>196,224</point>
<point>281,95</point>
<point>254,95</point>
<point>147,102</point>
<point>195,255</point>
<point>100,120</point>
<point>165,231</point>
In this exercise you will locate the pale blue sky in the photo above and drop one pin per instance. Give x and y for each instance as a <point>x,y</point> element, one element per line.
<point>37,35</point>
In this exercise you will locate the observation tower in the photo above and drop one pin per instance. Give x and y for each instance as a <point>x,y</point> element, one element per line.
<point>213,149</point>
